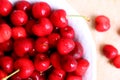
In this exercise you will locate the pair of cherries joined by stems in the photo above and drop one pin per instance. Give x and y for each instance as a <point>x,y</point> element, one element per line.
<point>37,43</point>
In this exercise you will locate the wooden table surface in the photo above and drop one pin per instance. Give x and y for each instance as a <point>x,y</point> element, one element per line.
<point>111,9</point>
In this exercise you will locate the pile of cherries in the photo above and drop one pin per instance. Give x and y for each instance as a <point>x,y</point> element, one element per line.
<point>37,43</point>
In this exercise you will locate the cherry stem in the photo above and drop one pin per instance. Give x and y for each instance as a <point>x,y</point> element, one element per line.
<point>85,17</point>
<point>11,75</point>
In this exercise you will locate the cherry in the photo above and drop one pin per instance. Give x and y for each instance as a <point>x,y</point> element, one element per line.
<point>5,32</point>
<point>29,26</point>
<point>73,77</point>
<point>5,7</point>
<point>57,74</point>
<point>102,23</point>
<point>23,46</point>
<point>25,66</point>
<point>6,46</point>
<point>77,52</point>
<point>65,46</point>
<point>53,39</point>
<point>18,32</point>
<point>42,44</point>
<point>67,32</point>
<point>110,51</point>
<point>41,62</point>
<point>15,77</point>
<point>58,18</point>
<point>55,60</point>
<point>2,74</point>
<point>36,76</point>
<point>41,9</point>
<point>23,5</point>
<point>6,64</point>
<point>43,28</point>
<point>68,63</point>
<point>116,61</point>
<point>82,67</point>
<point>18,17</point>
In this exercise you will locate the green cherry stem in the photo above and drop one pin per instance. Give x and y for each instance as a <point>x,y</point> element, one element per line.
<point>11,75</point>
<point>85,17</point>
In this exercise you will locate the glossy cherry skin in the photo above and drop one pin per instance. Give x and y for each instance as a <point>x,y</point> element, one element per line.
<point>42,44</point>
<point>6,64</point>
<point>102,23</point>
<point>78,51</point>
<point>41,9</point>
<point>58,18</point>
<point>6,46</point>
<point>53,39</point>
<point>68,63</point>
<point>67,32</point>
<point>73,77</point>
<point>1,53</point>
<point>43,28</point>
<point>23,5</point>
<point>110,51</point>
<point>5,32</point>
<point>55,60</point>
<point>25,66</point>
<point>5,7</point>
<point>65,46</point>
<point>23,46</point>
<point>57,74</point>
<point>116,61</point>
<point>18,17</point>
<point>82,67</point>
<point>2,74</point>
<point>41,62</point>
<point>18,32</point>
<point>16,77</point>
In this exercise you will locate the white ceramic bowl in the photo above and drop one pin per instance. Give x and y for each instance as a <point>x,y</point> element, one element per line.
<point>81,31</point>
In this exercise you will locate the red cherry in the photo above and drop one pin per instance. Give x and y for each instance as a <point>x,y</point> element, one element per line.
<point>23,46</point>
<point>68,63</point>
<point>58,18</point>
<point>57,74</point>
<point>73,77</point>
<point>65,46</point>
<point>116,61</point>
<point>53,39</point>
<point>102,23</point>
<point>41,9</point>
<point>67,32</point>
<point>5,32</point>
<point>2,21</point>
<point>82,67</point>
<point>6,46</point>
<point>18,32</point>
<point>36,76</point>
<point>43,28</point>
<point>5,7</point>
<point>23,5</point>
<point>42,44</point>
<point>110,51</point>
<point>25,66</point>
<point>29,26</point>
<point>41,62</point>
<point>77,52</point>
<point>6,64</point>
<point>19,17</point>
<point>55,60</point>
<point>2,74</point>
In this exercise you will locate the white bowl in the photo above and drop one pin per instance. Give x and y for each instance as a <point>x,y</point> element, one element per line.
<point>81,31</point>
